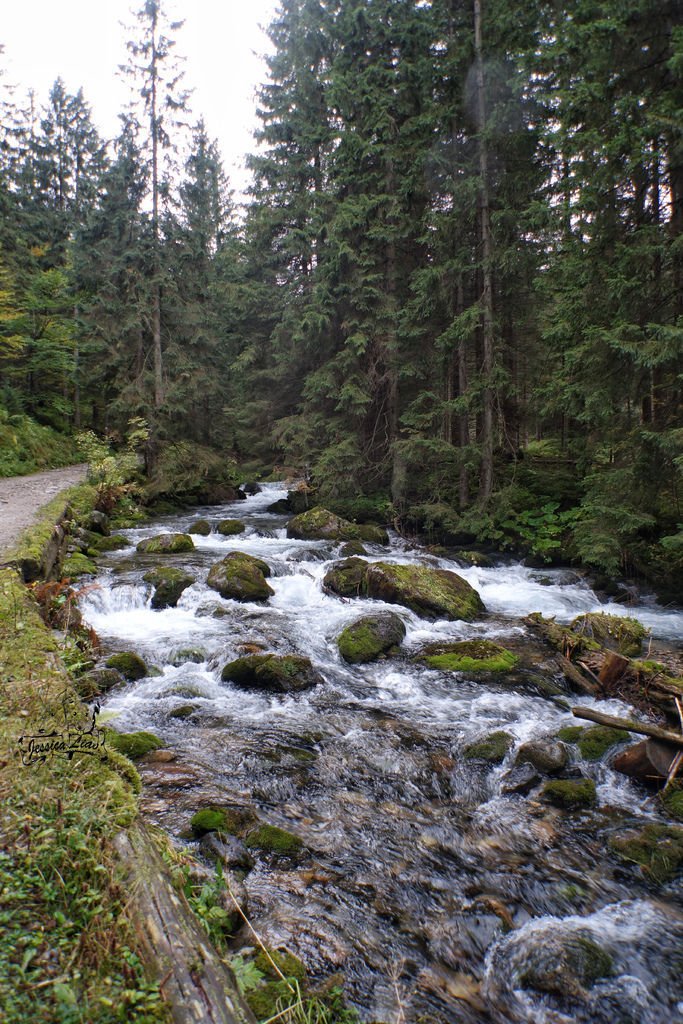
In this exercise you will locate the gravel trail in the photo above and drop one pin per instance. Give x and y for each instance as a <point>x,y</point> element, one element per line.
<point>22,497</point>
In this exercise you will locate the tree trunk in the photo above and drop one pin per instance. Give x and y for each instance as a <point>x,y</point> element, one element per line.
<point>486,473</point>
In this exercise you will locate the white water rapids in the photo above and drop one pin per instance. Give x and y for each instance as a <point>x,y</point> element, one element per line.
<point>409,839</point>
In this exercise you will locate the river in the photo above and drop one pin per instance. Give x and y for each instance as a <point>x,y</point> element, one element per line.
<point>429,886</point>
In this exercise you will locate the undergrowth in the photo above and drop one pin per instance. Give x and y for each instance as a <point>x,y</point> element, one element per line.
<point>28,447</point>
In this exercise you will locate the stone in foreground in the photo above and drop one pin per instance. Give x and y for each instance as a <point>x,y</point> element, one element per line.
<point>430,593</point>
<point>241,577</point>
<point>277,673</point>
<point>370,637</point>
<point>168,583</point>
<point>166,544</point>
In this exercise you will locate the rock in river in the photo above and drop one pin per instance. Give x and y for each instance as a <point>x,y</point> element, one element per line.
<point>370,636</point>
<point>166,544</point>
<point>430,593</point>
<point>241,577</point>
<point>168,584</point>
<point>279,673</point>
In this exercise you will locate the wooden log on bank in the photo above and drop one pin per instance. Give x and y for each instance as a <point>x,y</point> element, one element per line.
<point>642,728</point>
<point>198,986</point>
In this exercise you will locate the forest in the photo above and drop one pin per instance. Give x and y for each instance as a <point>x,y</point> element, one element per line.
<point>453,298</point>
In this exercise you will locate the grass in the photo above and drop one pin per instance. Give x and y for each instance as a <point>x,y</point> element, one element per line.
<point>29,447</point>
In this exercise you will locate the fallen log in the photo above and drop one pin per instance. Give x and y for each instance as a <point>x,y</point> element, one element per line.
<point>575,677</point>
<point>641,728</point>
<point>648,761</point>
<point>199,987</point>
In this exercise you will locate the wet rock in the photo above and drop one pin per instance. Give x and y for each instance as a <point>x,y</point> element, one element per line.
<point>371,533</point>
<point>468,656</point>
<point>300,498</point>
<point>320,524</point>
<point>279,673</point>
<point>546,755</point>
<point>227,850</point>
<point>618,633</point>
<point>598,739</point>
<point>430,593</point>
<point>657,849</point>
<point>168,583</point>
<point>347,578</point>
<point>251,488</point>
<point>200,527</point>
<point>570,794</point>
<point>129,664</point>
<point>98,681</point>
<point>230,527</point>
<point>241,577</point>
<point>370,636</point>
<point>234,821</point>
<point>78,565</point>
<point>161,757</point>
<point>98,522</point>
<point>281,507</point>
<point>183,711</point>
<point>475,558</point>
<point>166,544</point>
<point>185,655</point>
<point>491,748</point>
<point>521,779</point>
<point>351,548</point>
<point>115,542</point>
<point>133,744</point>
<point>565,964</point>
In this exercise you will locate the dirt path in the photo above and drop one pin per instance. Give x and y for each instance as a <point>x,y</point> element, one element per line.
<point>22,497</point>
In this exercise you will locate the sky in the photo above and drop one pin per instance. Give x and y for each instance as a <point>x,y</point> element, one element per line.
<point>83,42</point>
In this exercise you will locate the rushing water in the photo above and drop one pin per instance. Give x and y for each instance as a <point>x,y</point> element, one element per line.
<point>429,886</point>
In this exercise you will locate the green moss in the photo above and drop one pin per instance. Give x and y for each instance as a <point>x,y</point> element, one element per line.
<point>320,524</point>
<point>598,739</point>
<point>166,544</point>
<point>570,794</point>
<point>619,633</point>
<point>130,665</point>
<point>492,748</point>
<point>286,962</point>
<point>265,1000</point>
<point>78,565</point>
<point>469,656</point>
<point>241,577</point>
<point>201,527</point>
<point>272,839</point>
<point>183,711</point>
<point>570,733</point>
<point>672,801</point>
<point>115,542</point>
<point>134,744</point>
<point>286,673</point>
<point>351,548</point>
<point>168,583</point>
<point>372,534</point>
<point>430,593</point>
<point>371,636</point>
<point>566,968</point>
<point>658,849</point>
<point>347,578</point>
<point>233,821</point>
<point>230,527</point>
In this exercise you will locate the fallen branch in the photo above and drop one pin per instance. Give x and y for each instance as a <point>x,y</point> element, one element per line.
<point>642,728</point>
<point>576,678</point>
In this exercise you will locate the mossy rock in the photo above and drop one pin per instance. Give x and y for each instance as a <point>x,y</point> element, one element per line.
<point>672,801</point>
<point>475,558</point>
<point>565,965</point>
<point>78,564</point>
<point>183,711</point>
<point>347,578</point>
<point>130,665</point>
<point>351,548</point>
<point>546,755</point>
<point>233,821</point>
<point>97,682</point>
<point>113,543</point>
<point>491,749</point>
<point>320,524</point>
<point>134,744</point>
<point>280,673</point>
<point>596,740</point>
<point>468,656</point>
<point>372,534</point>
<point>185,655</point>
<point>570,733</point>
<point>200,527</point>
<point>570,794</point>
<point>230,527</point>
<point>166,544</point>
<point>616,632</point>
<point>266,1000</point>
<point>430,593</point>
<point>281,507</point>
<point>168,583</point>
<point>370,636</point>
<point>284,961</point>
<point>98,522</point>
<point>272,839</point>
<point>241,577</point>
<point>658,849</point>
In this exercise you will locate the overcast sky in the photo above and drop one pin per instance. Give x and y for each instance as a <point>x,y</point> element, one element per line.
<point>82,41</point>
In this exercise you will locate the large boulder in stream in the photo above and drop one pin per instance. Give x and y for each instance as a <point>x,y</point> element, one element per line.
<point>347,578</point>
<point>230,527</point>
<point>468,656</point>
<point>430,593</point>
<point>370,637</point>
<point>166,544</point>
<point>320,524</point>
<point>278,673</point>
<point>241,577</point>
<point>168,583</point>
